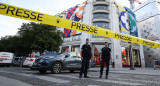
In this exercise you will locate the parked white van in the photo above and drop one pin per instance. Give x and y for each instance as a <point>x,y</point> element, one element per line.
<point>6,58</point>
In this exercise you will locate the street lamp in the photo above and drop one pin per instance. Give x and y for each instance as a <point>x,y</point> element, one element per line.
<point>130,46</point>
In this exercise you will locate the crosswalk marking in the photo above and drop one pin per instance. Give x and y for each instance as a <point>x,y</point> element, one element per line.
<point>68,76</point>
<point>42,77</point>
<point>144,81</point>
<point>4,81</point>
<point>104,80</point>
<point>113,80</point>
<point>118,82</point>
<point>52,79</point>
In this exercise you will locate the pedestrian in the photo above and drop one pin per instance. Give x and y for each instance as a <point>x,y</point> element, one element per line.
<point>86,54</point>
<point>105,58</point>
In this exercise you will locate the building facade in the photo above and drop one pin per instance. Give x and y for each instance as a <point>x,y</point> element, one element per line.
<point>103,13</point>
<point>148,18</point>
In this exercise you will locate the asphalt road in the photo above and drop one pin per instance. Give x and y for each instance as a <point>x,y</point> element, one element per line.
<point>15,76</point>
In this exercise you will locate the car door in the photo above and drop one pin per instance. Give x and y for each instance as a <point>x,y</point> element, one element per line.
<point>71,60</point>
<point>77,60</point>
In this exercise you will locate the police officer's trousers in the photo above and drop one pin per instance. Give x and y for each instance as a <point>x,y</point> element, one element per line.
<point>102,66</point>
<point>84,66</point>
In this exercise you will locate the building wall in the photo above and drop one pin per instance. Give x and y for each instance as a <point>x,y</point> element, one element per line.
<point>148,23</point>
<point>113,20</point>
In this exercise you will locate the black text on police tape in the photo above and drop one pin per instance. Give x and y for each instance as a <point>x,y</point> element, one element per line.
<point>19,12</point>
<point>84,27</point>
<point>148,43</point>
<point>123,37</point>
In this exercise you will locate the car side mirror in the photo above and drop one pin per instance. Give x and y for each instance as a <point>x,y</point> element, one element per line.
<point>66,56</point>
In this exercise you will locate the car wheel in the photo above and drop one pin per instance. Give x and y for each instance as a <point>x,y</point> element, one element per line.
<point>56,67</point>
<point>42,71</point>
<point>72,71</point>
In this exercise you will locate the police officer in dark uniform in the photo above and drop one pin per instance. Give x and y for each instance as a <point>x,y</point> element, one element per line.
<point>86,54</point>
<point>105,58</point>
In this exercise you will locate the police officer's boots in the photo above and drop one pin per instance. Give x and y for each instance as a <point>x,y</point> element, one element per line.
<point>100,75</point>
<point>106,76</point>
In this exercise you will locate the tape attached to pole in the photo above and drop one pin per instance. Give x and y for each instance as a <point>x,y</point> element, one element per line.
<point>26,14</point>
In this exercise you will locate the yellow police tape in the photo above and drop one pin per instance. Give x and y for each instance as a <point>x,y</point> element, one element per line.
<point>26,14</point>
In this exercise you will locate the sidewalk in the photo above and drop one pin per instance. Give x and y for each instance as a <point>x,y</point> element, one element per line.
<point>141,71</point>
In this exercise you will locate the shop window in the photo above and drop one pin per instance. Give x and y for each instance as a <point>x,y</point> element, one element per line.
<point>65,49</point>
<point>97,52</point>
<point>126,58</point>
<point>136,57</point>
<point>76,49</point>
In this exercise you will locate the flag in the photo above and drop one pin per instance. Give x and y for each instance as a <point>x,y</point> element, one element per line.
<point>78,15</point>
<point>69,16</point>
<point>132,20</point>
<point>123,19</point>
<point>79,10</point>
<point>74,31</point>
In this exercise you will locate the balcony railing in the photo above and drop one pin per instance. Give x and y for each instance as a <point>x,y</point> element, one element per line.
<point>97,36</point>
<point>99,7</point>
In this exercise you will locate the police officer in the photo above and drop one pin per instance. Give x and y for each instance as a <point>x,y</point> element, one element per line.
<point>86,54</point>
<point>105,58</point>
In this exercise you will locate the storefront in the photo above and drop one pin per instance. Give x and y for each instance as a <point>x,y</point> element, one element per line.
<point>76,49</point>
<point>65,49</point>
<point>97,52</point>
<point>126,58</point>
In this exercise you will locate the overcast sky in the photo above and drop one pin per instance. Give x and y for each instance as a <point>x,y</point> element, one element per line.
<point>9,25</point>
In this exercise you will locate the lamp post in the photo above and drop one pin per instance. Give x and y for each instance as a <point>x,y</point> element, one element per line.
<point>130,46</point>
<point>132,6</point>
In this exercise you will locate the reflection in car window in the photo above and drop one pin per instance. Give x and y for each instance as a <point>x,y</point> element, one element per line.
<point>79,56</point>
<point>72,54</point>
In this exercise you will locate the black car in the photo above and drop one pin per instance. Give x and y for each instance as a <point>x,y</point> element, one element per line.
<point>66,61</point>
<point>17,61</point>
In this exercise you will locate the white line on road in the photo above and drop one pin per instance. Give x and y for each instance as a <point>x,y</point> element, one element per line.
<point>119,82</point>
<point>144,81</point>
<point>52,79</point>
<point>42,77</point>
<point>87,85</point>
<point>4,81</point>
<point>71,76</point>
<point>68,76</point>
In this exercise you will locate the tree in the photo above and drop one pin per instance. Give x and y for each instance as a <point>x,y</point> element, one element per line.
<point>40,37</point>
<point>11,44</point>
<point>32,37</point>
